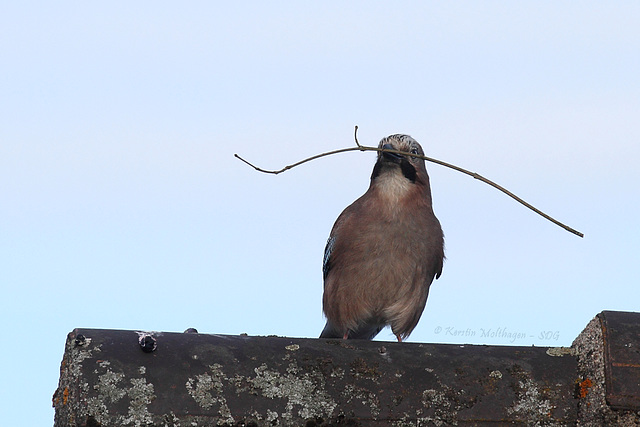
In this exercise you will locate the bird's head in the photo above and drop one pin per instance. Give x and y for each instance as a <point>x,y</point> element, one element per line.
<point>395,165</point>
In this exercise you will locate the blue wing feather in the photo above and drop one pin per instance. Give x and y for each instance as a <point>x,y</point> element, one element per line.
<point>326,262</point>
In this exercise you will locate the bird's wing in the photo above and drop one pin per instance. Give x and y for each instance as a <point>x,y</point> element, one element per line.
<point>329,250</point>
<point>326,262</point>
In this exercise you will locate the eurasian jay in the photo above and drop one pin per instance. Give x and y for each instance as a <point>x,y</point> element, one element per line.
<point>384,250</point>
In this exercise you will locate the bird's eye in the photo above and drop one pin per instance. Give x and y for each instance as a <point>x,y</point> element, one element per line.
<point>414,151</point>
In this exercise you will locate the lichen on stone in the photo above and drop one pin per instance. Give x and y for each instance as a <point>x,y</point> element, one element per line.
<point>438,401</point>
<point>560,351</point>
<point>207,390</point>
<point>140,394</point>
<point>303,392</point>
<point>530,404</point>
<point>110,390</point>
<point>367,398</point>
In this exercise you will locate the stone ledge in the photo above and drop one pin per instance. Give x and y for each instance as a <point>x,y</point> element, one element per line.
<point>115,377</point>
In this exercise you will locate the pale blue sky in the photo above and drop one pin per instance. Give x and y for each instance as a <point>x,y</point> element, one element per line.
<point>121,205</point>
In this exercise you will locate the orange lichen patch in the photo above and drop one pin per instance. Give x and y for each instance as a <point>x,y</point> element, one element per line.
<point>583,388</point>
<point>65,396</point>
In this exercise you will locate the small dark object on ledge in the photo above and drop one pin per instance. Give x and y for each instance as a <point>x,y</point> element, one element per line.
<point>148,343</point>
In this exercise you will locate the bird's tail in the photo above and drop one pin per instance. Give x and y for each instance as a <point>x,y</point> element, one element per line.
<point>365,332</point>
<point>330,332</point>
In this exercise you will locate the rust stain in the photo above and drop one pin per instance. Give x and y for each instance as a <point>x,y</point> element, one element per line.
<point>583,388</point>
<point>625,365</point>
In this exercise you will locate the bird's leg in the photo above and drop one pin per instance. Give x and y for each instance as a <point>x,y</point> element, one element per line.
<point>399,337</point>
<point>346,335</point>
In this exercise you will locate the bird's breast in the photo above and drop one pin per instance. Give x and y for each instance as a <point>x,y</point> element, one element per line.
<point>390,188</point>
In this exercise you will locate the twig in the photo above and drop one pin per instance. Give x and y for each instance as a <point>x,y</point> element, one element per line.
<point>355,136</point>
<point>475,175</point>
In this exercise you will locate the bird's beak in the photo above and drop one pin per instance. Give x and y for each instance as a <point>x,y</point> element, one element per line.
<point>391,156</point>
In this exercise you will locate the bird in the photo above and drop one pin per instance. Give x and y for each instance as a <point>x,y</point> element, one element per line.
<point>384,250</point>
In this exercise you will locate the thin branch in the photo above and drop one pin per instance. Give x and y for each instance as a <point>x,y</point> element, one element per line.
<point>475,175</point>
<point>317,156</point>
<point>355,136</point>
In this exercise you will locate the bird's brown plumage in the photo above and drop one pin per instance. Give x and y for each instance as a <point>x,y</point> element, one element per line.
<point>384,250</point>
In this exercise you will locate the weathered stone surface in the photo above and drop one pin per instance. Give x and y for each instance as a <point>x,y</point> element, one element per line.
<point>198,379</point>
<point>608,366</point>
